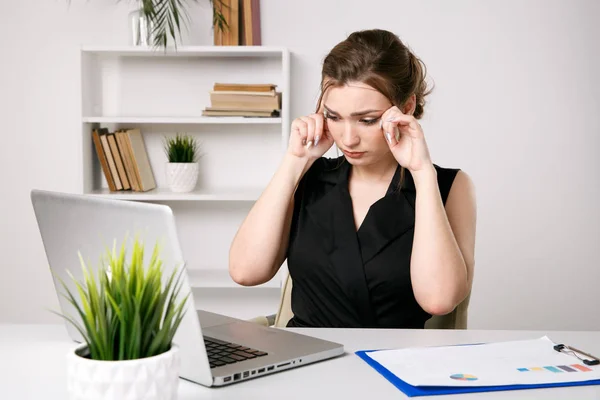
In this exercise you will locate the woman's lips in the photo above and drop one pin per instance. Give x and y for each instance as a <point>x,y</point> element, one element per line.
<point>353,154</point>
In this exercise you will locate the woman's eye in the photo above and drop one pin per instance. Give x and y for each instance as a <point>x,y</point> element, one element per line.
<point>331,117</point>
<point>369,121</point>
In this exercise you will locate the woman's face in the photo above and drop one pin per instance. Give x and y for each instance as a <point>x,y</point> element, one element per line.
<point>352,114</point>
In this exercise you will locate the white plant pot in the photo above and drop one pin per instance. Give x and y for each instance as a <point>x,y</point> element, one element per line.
<point>182,177</point>
<point>152,378</point>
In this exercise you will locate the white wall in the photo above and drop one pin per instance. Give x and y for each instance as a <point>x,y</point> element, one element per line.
<point>516,106</point>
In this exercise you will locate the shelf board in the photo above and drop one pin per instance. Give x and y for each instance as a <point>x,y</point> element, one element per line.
<point>165,194</point>
<point>188,51</point>
<point>183,120</point>
<point>220,279</point>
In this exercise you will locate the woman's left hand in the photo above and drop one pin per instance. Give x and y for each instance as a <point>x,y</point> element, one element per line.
<point>406,140</point>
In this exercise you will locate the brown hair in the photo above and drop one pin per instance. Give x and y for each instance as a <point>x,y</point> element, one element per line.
<point>379,59</point>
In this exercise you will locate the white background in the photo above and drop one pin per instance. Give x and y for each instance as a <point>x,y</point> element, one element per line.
<point>516,105</point>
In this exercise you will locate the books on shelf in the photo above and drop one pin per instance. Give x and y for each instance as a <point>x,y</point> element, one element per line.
<point>253,87</point>
<point>242,19</point>
<point>124,159</point>
<point>250,23</point>
<point>217,112</point>
<point>244,100</point>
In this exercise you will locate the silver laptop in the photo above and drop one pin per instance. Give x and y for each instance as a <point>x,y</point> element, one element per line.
<point>215,350</point>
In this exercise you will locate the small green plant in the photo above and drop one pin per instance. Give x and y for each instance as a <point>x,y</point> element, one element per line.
<point>126,313</point>
<point>181,149</point>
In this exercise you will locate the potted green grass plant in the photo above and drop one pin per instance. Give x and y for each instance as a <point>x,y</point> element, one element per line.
<point>182,167</point>
<point>128,315</point>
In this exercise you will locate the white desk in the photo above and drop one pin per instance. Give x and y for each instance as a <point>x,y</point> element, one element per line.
<point>32,366</point>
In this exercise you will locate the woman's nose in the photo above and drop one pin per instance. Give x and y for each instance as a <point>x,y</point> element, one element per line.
<point>349,137</point>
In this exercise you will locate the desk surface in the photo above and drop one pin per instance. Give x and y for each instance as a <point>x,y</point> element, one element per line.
<point>32,366</point>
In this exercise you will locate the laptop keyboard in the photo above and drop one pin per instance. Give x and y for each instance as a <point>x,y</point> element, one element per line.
<point>221,353</point>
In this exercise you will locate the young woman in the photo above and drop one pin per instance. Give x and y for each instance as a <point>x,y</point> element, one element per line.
<point>380,237</point>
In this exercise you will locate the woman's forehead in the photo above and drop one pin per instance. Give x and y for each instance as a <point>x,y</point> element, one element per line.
<point>352,97</point>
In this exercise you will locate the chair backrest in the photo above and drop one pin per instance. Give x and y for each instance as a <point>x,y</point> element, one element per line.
<point>457,319</point>
<point>284,313</point>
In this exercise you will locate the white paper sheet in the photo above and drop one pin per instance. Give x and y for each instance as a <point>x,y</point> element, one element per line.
<point>495,364</point>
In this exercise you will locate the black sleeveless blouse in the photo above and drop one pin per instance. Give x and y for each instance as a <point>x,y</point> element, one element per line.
<point>348,278</point>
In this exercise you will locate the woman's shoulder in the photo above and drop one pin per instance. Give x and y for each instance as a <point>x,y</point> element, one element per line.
<point>446,172</point>
<point>326,169</point>
<point>327,163</point>
<point>323,174</point>
<point>446,176</point>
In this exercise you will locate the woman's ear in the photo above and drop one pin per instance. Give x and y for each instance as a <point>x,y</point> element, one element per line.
<point>410,105</point>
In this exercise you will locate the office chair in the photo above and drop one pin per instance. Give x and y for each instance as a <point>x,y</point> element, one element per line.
<point>457,319</point>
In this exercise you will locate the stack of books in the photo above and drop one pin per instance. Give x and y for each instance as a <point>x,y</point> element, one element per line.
<point>244,100</point>
<point>243,23</point>
<point>124,159</point>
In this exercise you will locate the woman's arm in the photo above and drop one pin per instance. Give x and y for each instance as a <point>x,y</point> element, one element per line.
<point>443,258</point>
<point>260,245</point>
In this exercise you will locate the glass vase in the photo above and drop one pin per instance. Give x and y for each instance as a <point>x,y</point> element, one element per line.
<point>141,29</point>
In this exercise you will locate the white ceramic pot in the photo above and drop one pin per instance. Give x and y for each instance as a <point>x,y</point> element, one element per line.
<point>182,177</point>
<point>152,378</point>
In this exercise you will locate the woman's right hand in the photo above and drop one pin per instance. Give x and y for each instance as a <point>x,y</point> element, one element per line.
<point>309,137</point>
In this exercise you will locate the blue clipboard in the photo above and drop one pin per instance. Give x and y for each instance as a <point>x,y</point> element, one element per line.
<point>415,391</point>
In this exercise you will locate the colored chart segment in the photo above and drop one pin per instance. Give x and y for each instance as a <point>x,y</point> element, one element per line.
<point>463,377</point>
<point>553,369</point>
<point>581,367</point>
<point>557,368</point>
<point>567,368</point>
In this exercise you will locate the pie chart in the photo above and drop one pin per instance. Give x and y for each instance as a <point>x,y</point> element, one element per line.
<point>463,377</point>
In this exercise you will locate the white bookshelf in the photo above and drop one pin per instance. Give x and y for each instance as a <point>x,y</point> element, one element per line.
<point>189,51</point>
<point>182,120</point>
<point>164,194</point>
<point>163,93</point>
